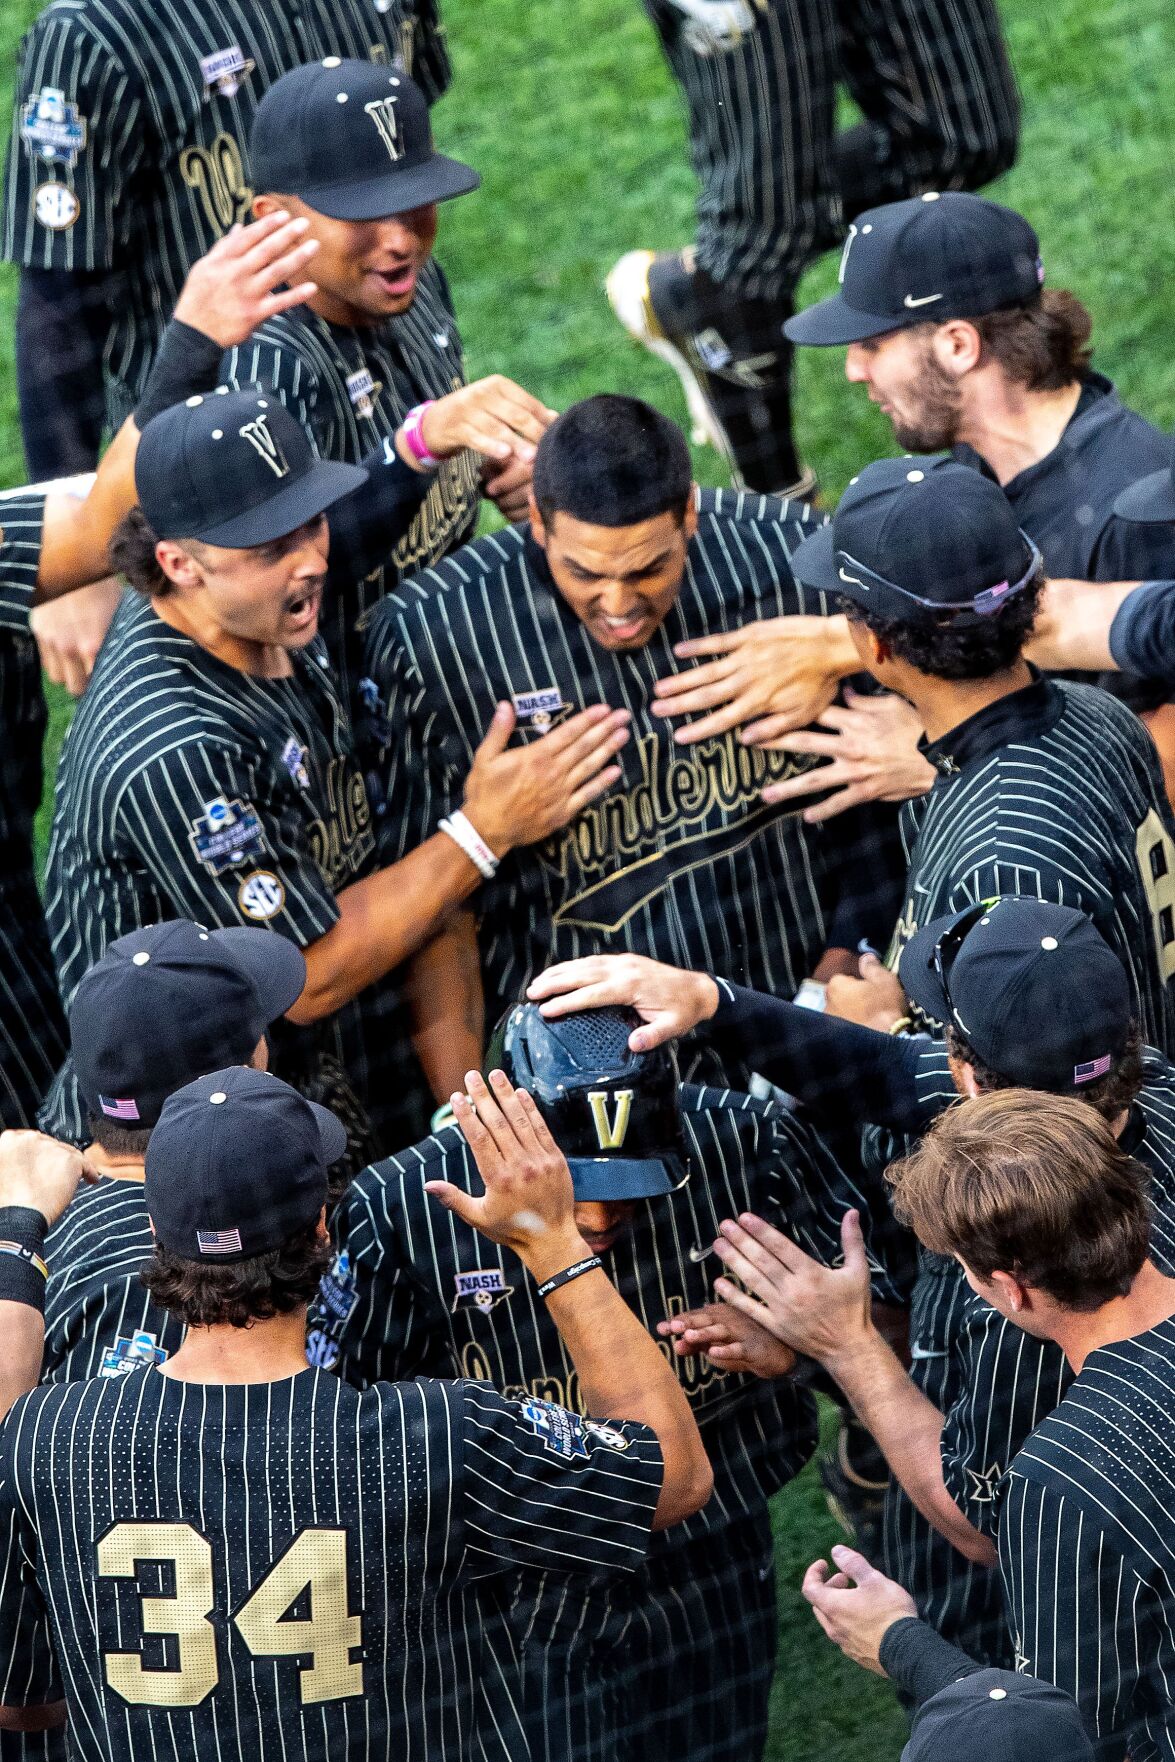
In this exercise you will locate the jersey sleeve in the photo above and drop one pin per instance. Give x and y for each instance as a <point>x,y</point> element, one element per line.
<point>224,845</point>
<point>416,768</point>
<point>1004,1384</point>
<point>1142,635</point>
<point>543,1487</point>
<point>80,130</point>
<point>268,359</point>
<point>28,1669</point>
<point>1133,550</point>
<point>371,1321</point>
<point>1079,1616</point>
<point>22,521</point>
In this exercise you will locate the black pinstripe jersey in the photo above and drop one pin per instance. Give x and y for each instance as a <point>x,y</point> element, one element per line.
<point>130,132</point>
<point>32,1029</point>
<point>1086,1548</point>
<point>681,859</point>
<point>99,1321</point>
<point>188,788</point>
<point>288,1568</point>
<point>1054,792</point>
<point>351,389</point>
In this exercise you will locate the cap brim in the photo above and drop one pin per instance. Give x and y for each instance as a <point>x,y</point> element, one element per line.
<point>1151,499</point>
<point>834,322</point>
<point>814,564</point>
<point>323,485</point>
<point>438,179</point>
<point>614,1177</point>
<point>332,1135</point>
<point>276,966</point>
<point>920,982</point>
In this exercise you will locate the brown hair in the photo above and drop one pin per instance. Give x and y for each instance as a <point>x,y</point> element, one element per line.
<point>1044,346</point>
<point>1030,1184</point>
<point>1109,1095</point>
<point>116,1139</point>
<point>244,1291</point>
<point>132,555</point>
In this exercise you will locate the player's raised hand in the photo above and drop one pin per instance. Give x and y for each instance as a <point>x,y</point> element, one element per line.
<point>40,1172</point>
<point>774,675</point>
<point>730,1339</point>
<point>669,1000</point>
<point>856,1605</point>
<point>492,416</point>
<point>249,275</point>
<point>528,1201</point>
<point>875,1000</point>
<point>823,1312</point>
<point>873,749</point>
<point>520,795</point>
<point>69,632</point>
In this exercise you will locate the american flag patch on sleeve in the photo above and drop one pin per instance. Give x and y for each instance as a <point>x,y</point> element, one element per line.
<point>218,1241</point>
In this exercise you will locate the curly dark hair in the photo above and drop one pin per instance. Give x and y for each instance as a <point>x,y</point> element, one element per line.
<point>244,1291</point>
<point>1109,1095</point>
<point>944,648</point>
<point>1044,345</point>
<point>132,555</point>
<point>116,1139</point>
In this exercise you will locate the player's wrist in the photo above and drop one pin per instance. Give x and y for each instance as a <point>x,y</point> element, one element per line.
<point>552,1252</point>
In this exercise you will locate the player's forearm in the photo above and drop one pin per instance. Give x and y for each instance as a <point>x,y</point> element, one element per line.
<point>908,1430</point>
<point>47,1716</point>
<point>22,1331</point>
<point>1072,627</point>
<point>78,527</point>
<point>623,1374</point>
<point>447,1004</point>
<point>384,919</point>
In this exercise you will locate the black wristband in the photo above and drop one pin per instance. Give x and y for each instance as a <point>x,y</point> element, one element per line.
<point>569,1272</point>
<point>22,1270</point>
<point>188,362</point>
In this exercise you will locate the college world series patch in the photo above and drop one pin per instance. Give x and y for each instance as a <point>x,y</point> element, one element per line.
<point>227,833</point>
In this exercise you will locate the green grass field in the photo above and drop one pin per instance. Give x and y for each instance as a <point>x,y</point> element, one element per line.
<point>575,125</point>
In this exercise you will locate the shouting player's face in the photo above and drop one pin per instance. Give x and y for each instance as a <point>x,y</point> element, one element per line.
<point>601,1221</point>
<point>905,379</point>
<point>270,596</point>
<point>620,581</point>
<point>366,270</point>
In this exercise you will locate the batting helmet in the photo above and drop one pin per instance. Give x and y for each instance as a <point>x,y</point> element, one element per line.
<point>614,1113</point>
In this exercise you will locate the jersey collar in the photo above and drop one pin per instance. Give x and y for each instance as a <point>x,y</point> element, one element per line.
<point>1032,710</point>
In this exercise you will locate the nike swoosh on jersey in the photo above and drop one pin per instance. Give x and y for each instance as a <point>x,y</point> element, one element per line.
<point>922,300</point>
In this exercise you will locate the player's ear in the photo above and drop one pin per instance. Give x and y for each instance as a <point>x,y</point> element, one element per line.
<point>965,1080</point>
<point>323,1232</point>
<point>690,524</point>
<point>263,205</point>
<point>536,520</point>
<point>957,347</point>
<point>179,566</point>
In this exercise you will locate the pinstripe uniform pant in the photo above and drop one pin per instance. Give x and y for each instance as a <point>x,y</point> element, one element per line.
<point>931,77</point>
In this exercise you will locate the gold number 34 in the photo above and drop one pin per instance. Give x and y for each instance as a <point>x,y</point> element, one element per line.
<point>316,1560</point>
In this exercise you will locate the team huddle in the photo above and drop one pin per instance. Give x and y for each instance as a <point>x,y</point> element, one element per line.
<point>521,1034</point>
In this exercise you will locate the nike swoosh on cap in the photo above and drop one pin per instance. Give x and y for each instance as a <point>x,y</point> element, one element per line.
<point>922,300</point>
<point>855,579</point>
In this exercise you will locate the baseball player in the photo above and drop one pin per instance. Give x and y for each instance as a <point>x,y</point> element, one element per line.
<point>327,1604</point>
<point>210,771</point>
<point>622,558</point>
<point>760,79</point>
<point>348,148</point>
<point>1050,1220</point>
<point>653,1166</point>
<point>129,159</point>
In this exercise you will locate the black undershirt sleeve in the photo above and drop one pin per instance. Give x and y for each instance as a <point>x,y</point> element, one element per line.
<point>62,322</point>
<point>920,1662</point>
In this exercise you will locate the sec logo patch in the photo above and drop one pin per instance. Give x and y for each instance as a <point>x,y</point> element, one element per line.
<point>56,207</point>
<point>261,896</point>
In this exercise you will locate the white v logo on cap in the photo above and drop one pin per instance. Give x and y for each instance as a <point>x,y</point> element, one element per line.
<point>923,300</point>
<point>259,438</point>
<point>844,256</point>
<point>382,112</point>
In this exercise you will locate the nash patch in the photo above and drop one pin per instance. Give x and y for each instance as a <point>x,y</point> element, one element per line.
<point>540,708</point>
<point>563,1434</point>
<point>261,896</point>
<point>337,1291</point>
<point>225,72</point>
<point>52,128</point>
<point>481,1290</point>
<point>363,391</point>
<point>56,207</point>
<point>227,833</point>
<point>131,1353</point>
<point>294,759</point>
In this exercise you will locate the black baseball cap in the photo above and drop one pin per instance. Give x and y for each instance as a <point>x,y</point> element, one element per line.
<point>237,1164</point>
<point>915,537</point>
<point>234,469</point>
<point>171,1001</point>
<point>614,1113</point>
<point>998,1716</point>
<point>933,257</point>
<point>1034,988</point>
<point>1151,499</point>
<point>353,140</point>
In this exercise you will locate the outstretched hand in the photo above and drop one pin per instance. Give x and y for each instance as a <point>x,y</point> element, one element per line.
<point>669,1000</point>
<point>517,795</point>
<point>856,1605</point>
<point>774,675</point>
<point>729,1339</point>
<point>872,748</point>
<point>818,1310</point>
<point>249,275</point>
<point>41,1173</point>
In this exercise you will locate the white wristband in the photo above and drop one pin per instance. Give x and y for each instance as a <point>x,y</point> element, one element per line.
<point>465,834</point>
